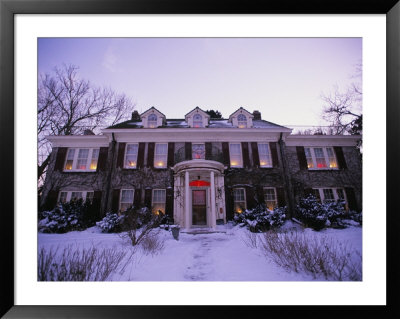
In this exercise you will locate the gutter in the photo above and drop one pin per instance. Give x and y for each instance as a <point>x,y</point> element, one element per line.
<point>108,182</point>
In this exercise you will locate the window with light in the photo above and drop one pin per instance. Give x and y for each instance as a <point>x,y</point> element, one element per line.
<point>198,151</point>
<point>264,155</point>
<point>239,200</point>
<point>126,200</point>
<point>320,158</point>
<point>160,155</point>
<point>152,121</point>
<point>235,153</point>
<point>158,201</point>
<point>242,121</point>
<point>270,198</point>
<point>197,120</point>
<point>81,159</point>
<point>131,154</point>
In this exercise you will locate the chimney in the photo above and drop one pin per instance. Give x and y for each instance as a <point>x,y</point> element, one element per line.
<point>135,116</point>
<point>88,132</point>
<point>257,115</point>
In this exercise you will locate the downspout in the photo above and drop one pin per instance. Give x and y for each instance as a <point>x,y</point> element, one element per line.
<point>288,184</point>
<point>108,182</point>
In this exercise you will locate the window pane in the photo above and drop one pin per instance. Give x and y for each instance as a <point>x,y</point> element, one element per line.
<point>340,193</point>
<point>235,155</point>
<point>197,120</point>
<point>264,155</point>
<point>239,200</point>
<point>198,151</point>
<point>160,157</point>
<point>320,158</point>
<point>242,121</point>
<point>127,196</point>
<point>158,201</point>
<point>76,195</point>
<point>332,158</point>
<point>270,198</point>
<point>63,197</point>
<point>152,121</point>
<point>70,159</point>
<point>89,196</point>
<point>310,163</point>
<point>131,155</point>
<point>95,156</point>
<point>82,158</point>
<point>328,194</point>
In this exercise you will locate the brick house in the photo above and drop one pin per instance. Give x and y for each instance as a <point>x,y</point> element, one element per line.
<point>201,170</point>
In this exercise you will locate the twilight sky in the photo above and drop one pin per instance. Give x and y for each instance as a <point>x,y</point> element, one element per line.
<point>283,78</point>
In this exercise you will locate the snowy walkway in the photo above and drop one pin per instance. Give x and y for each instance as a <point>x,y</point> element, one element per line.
<point>202,257</point>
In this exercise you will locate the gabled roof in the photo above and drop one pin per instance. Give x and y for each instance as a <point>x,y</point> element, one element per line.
<point>238,111</point>
<point>198,110</point>
<point>152,109</point>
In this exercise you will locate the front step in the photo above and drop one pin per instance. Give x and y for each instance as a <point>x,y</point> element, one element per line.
<point>201,231</point>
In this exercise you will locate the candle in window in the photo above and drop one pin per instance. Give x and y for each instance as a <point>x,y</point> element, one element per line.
<point>93,165</point>
<point>160,164</point>
<point>132,164</point>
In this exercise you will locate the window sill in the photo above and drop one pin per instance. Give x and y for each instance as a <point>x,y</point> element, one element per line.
<point>322,169</point>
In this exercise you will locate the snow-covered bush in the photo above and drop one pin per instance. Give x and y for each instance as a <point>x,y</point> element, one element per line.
<point>260,218</point>
<point>111,223</point>
<point>317,215</point>
<point>73,215</point>
<point>353,215</point>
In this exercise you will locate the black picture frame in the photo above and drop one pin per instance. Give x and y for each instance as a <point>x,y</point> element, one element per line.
<point>8,10</point>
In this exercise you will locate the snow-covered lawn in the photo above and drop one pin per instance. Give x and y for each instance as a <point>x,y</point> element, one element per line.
<point>222,256</point>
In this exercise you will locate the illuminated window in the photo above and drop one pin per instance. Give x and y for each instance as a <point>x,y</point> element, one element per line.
<point>239,200</point>
<point>158,201</point>
<point>197,120</point>
<point>152,121</point>
<point>270,198</point>
<point>242,121</point>
<point>81,159</point>
<point>264,155</point>
<point>198,151</point>
<point>126,200</point>
<point>66,196</point>
<point>160,155</point>
<point>235,153</point>
<point>320,158</point>
<point>131,154</point>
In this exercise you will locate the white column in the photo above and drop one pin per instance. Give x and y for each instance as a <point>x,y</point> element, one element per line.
<point>187,205</point>
<point>213,217</point>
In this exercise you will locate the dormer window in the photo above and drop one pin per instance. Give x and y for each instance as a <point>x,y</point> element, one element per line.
<point>152,121</point>
<point>197,120</point>
<point>242,121</point>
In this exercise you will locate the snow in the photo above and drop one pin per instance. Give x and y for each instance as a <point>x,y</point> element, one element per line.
<point>219,256</point>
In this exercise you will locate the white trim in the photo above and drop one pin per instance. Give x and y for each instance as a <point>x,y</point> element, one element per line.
<point>322,140</point>
<point>80,141</point>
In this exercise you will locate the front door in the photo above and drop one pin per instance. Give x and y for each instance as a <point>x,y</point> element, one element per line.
<point>199,207</point>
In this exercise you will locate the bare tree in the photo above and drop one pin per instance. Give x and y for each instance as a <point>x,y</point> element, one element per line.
<point>69,105</point>
<point>343,109</point>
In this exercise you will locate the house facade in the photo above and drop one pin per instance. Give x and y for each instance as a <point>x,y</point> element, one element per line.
<point>200,170</point>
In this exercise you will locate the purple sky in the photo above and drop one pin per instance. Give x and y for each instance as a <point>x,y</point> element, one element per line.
<point>281,77</point>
